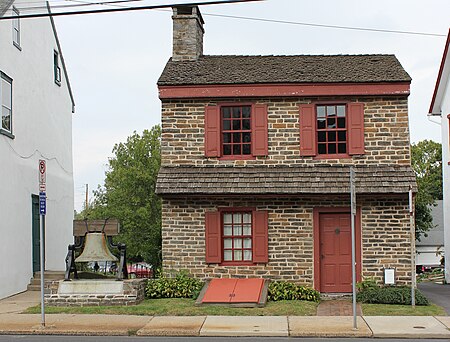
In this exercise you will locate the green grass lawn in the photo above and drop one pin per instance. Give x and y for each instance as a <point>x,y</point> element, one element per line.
<point>187,307</point>
<point>402,310</point>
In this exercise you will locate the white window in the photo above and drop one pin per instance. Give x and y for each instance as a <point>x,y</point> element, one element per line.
<point>16,28</point>
<point>6,103</point>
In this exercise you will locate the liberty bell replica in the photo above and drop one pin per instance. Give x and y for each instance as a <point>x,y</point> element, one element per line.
<point>96,237</point>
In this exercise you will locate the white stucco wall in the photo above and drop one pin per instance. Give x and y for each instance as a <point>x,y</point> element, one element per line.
<point>445,107</point>
<point>42,129</point>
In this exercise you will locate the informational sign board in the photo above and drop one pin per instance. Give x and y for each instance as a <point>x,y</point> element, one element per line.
<point>42,187</point>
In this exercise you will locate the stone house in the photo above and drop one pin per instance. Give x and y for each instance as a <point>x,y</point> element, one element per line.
<point>256,153</point>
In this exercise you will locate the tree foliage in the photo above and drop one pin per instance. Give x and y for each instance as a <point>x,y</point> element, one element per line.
<point>426,160</point>
<point>128,194</point>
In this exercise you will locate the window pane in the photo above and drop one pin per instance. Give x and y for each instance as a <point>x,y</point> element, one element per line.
<point>236,112</point>
<point>247,218</point>
<point>245,112</point>
<point>322,149</point>
<point>238,243</point>
<point>237,230</point>
<point>246,149</point>
<point>342,135</point>
<point>247,243</point>
<point>322,136</point>
<point>342,148</point>
<point>331,123</point>
<point>320,111</point>
<point>6,93</point>
<point>6,119</point>
<point>227,218</point>
<point>246,124</point>
<point>331,110</point>
<point>227,255</point>
<point>237,255</point>
<point>331,136</point>
<point>321,124</point>
<point>237,218</point>
<point>227,137</point>
<point>237,125</point>
<point>341,122</point>
<point>246,137</point>
<point>331,148</point>
<point>226,125</point>
<point>247,255</point>
<point>341,111</point>
<point>227,243</point>
<point>236,149</point>
<point>247,229</point>
<point>227,231</point>
<point>226,112</point>
<point>227,150</point>
<point>236,137</point>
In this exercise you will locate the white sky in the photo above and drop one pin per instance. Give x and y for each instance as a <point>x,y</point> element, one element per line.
<point>114,60</point>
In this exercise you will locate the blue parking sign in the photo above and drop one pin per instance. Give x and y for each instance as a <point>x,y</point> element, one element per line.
<point>42,203</point>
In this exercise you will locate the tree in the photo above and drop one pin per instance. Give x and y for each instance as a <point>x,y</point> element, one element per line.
<point>128,194</point>
<point>426,161</point>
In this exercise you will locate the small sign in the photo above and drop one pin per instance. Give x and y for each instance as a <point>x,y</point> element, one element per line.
<point>42,171</point>
<point>42,203</point>
<point>389,276</point>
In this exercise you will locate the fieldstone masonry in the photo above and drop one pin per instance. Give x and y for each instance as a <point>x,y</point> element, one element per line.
<point>133,293</point>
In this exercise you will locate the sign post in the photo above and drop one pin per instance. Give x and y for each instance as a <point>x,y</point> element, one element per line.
<point>42,212</point>
<point>413,252</point>
<point>353,215</point>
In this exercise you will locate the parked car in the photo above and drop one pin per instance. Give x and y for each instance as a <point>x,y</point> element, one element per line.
<point>140,270</point>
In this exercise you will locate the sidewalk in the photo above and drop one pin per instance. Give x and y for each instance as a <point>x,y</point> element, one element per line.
<point>12,322</point>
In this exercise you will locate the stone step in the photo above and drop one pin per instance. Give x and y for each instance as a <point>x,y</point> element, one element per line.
<point>35,282</point>
<point>33,287</point>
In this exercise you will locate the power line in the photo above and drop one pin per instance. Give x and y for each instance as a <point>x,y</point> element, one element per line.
<point>110,10</point>
<point>325,26</point>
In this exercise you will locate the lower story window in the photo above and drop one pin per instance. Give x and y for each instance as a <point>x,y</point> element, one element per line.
<point>237,236</point>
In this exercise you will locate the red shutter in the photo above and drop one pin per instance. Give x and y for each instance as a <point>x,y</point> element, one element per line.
<point>260,237</point>
<point>259,130</point>
<point>212,131</point>
<point>213,237</point>
<point>308,146</point>
<point>355,120</point>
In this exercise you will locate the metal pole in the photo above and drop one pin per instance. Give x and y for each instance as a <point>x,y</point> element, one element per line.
<point>353,213</point>
<point>413,252</point>
<point>42,261</point>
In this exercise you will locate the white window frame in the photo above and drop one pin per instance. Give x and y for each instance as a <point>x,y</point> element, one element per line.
<point>16,28</point>
<point>4,77</point>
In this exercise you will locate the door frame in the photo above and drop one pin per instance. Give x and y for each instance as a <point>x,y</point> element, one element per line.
<point>316,236</point>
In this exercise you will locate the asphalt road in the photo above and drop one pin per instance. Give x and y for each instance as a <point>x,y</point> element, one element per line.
<point>437,293</point>
<point>43,338</point>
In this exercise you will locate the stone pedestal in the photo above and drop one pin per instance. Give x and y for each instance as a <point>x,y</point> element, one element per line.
<point>96,292</point>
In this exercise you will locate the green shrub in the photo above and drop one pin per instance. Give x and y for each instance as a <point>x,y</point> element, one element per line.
<point>283,290</point>
<point>182,286</point>
<point>390,295</point>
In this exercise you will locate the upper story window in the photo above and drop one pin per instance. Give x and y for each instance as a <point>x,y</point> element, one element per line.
<point>6,104</point>
<point>332,130</point>
<point>57,69</point>
<point>236,131</point>
<point>16,28</point>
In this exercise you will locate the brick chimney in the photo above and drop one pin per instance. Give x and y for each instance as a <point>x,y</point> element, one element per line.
<point>187,33</point>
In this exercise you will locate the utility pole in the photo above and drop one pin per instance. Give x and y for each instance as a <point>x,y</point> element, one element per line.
<point>86,204</point>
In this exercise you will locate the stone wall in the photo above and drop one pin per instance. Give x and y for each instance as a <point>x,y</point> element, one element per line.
<point>133,293</point>
<point>385,237</point>
<point>386,132</point>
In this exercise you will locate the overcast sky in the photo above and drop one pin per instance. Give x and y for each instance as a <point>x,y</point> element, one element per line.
<point>114,60</point>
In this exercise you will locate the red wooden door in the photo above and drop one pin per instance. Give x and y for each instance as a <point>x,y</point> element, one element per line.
<point>335,253</point>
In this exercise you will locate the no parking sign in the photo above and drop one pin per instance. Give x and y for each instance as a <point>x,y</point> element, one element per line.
<point>42,187</point>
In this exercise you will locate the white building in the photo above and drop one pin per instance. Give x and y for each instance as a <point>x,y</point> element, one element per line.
<point>36,123</point>
<point>440,106</point>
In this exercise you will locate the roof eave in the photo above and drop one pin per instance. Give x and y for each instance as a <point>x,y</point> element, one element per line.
<point>441,82</point>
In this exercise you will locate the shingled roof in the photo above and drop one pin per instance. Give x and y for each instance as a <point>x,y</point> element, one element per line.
<point>275,180</point>
<point>284,69</point>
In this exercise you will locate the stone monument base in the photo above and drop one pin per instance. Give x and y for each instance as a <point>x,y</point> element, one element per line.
<point>96,292</point>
